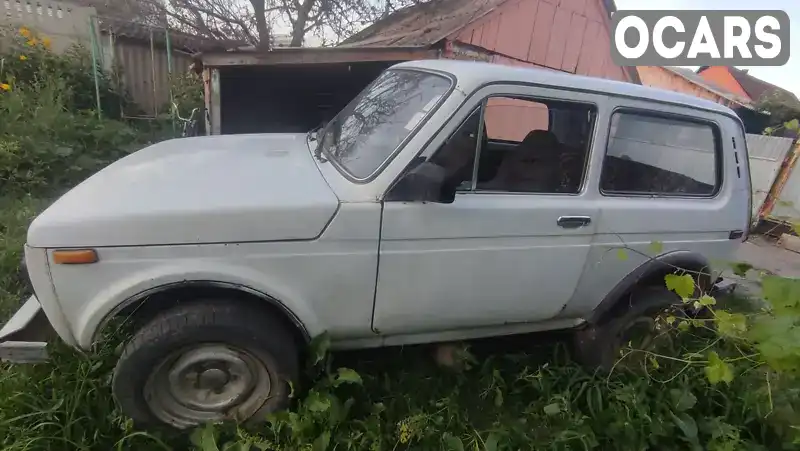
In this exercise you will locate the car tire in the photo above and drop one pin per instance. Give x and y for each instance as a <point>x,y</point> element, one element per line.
<point>206,361</point>
<point>596,346</point>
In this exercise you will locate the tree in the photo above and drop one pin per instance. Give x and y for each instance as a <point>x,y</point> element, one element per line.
<point>130,10</point>
<point>228,20</point>
<point>255,21</point>
<point>784,112</point>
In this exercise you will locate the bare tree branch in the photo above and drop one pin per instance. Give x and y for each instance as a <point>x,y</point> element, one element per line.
<point>256,21</point>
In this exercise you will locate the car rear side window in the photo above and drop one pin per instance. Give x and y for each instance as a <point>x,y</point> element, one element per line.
<point>651,154</point>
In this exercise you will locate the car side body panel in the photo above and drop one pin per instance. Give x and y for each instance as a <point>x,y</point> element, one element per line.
<point>692,262</point>
<point>633,230</point>
<point>328,284</point>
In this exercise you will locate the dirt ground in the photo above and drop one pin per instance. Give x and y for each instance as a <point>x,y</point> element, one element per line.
<point>766,255</point>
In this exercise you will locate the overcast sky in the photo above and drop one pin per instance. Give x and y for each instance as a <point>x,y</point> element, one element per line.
<point>787,76</point>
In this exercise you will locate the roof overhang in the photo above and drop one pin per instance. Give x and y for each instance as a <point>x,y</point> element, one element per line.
<point>727,96</point>
<point>316,55</point>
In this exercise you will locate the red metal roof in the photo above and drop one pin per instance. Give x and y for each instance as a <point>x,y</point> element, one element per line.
<point>427,23</point>
<point>754,87</point>
<point>422,24</point>
<point>757,88</point>
<point>692,77</point>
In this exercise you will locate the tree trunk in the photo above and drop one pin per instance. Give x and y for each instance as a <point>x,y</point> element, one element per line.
<point>299,25</point>
<point>387,9</point>
<point>259,8</point>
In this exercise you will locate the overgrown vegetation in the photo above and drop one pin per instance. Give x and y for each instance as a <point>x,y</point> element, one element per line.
<point>722,380</point>
<point>27,61</point>
<point>50,134</point>
<point>784,114</point>
<point>695,391</point>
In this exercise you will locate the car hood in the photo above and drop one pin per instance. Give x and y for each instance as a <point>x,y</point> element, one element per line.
<point>216,189</point>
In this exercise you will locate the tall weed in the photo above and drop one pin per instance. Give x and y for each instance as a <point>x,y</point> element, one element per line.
<point>46,148</point>
<point>26,59</point>
<point>399,400</point>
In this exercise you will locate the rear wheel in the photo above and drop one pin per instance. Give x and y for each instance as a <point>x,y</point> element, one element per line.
<point>638,325</point>
<point>206,361</point>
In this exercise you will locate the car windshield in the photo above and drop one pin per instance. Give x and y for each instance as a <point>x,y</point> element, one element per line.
<point>372,126</point>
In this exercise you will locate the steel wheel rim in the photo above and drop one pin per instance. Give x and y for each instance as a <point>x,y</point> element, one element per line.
<point>207,383</point>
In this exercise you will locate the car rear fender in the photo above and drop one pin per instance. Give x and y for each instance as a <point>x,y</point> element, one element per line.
<point>651,273</point>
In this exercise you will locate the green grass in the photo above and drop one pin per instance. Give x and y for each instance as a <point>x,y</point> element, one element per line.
<point>508,394</point>
<point>15,215</point>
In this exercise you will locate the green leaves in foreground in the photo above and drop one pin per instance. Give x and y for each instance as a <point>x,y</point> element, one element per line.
<point>682,400</point>
<point>730,324</point>
<point>768,338</point>
<point>782,294</point>
<point>740,268</point>
<point>318,349</point>
<point>346,376</point>
<point>717,370</point>
<point>656,247</point>
<point>452,442</point>
<point>777,340</point>
<point>205,438</point>
<point>682,285</point>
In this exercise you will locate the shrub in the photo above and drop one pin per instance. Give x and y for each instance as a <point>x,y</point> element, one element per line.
<point>187,92</point>
<point>45,147</point>
<point>28,60</point>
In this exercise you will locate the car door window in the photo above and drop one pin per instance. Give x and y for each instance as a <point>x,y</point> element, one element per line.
<point>523,145</point>
<point>657,155</point>
<point>535,145</point>
<point>457,154</point>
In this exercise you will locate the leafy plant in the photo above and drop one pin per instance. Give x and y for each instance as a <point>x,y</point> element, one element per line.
<point>760,345</point>
<point>784,113</point>
<point>27,60</point>
<point>187,92</point>
<point>45,147</point>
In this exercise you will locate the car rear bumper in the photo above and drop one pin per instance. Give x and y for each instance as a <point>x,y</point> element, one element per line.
<point>23,339</point>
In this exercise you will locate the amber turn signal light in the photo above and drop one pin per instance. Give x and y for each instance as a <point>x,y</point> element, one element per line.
<point>74,256</point>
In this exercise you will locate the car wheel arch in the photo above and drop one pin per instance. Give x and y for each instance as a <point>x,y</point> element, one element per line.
<point>142,307</point>
<point>651,273</point>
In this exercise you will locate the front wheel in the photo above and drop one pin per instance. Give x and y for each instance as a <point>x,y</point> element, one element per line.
<point>206,361</point>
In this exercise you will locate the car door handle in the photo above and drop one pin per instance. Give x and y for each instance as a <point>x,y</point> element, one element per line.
<point>573,222</point>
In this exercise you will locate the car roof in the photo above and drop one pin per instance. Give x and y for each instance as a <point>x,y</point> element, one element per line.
<point>471,75</point>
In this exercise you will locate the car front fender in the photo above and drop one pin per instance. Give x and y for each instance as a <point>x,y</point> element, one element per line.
<point>136,286</point>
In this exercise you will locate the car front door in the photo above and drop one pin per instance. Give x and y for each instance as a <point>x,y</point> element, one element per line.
<point>511,246</point>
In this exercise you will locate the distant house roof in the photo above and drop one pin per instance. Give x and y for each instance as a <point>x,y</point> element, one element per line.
<point>429,22</point>
<point>755,87</point>
<point>693,77</point>
<point>423,23</point>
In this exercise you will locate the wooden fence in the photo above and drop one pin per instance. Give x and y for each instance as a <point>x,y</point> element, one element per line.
<point>141,63</point>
